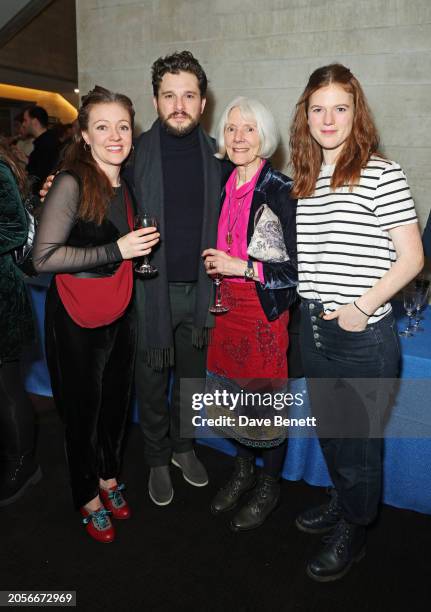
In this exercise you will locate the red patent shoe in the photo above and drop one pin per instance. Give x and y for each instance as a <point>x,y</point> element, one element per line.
<point>98,524</point>
<point>114,501</point>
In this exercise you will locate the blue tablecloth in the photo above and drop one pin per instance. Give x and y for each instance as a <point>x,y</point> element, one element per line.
<point>407,462</point>
<point>34,361</point>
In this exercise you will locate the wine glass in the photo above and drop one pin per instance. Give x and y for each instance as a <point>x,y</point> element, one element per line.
<point>143,267</point>
<point>218,307</point>
<point>409,298</point>
<point>422,286</point>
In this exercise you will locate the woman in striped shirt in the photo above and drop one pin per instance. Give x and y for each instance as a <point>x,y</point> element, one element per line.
<point>358,244</point>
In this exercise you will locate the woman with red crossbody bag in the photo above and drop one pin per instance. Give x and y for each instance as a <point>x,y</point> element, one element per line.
<point>85,236</point>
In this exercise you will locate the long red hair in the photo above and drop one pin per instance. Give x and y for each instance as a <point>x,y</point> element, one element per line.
<point>96,189</point>
<point>306,153</point>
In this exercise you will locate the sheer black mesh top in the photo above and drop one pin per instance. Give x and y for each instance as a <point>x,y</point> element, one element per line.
<point>60,230</point>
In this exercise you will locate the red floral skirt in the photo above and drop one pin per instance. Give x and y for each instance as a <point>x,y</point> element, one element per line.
<point>244,343</point>
<point>247,354</point>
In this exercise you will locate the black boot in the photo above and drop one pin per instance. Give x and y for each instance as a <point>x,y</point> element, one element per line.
<point>263,501</point>
<point>321,519</point>
<point>242,480</point>
<point>344,546</point>
<point>16,475</point>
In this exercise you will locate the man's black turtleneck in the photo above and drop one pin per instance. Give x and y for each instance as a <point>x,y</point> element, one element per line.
<point>183,187</point>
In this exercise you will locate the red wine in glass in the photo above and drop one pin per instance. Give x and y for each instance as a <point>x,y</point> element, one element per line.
<point>143,267</point>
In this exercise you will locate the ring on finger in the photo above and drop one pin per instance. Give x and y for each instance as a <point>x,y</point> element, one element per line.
<point>211,265</point>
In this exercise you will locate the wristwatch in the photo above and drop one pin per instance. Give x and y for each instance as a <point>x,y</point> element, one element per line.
<point>249,271</point>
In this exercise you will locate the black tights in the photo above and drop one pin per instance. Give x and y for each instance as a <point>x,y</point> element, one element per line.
<point>16,413</point>
<point>272,458</point>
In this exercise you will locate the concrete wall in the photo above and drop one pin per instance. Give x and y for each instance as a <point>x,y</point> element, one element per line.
<point>46,45</point>
<point>43,53</point>
<point>268,49</point>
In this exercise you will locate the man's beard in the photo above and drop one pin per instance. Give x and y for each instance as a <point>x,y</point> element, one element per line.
<point>181,130</point>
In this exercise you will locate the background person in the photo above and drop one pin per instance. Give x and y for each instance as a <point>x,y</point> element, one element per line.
<point>251,339</point>
<point>43,159</point>
<point>359,244</point>
<point>18,467</point>
<point>85,238</point>
<point>21,144</point>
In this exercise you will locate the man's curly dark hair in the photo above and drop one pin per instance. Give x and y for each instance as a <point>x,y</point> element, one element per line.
<point>180,61</point>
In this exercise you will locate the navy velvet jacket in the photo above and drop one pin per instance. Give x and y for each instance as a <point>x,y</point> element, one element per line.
<point>278,292</point>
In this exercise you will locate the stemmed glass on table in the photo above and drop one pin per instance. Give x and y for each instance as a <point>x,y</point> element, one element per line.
<point>409,300</point>
<point>218,307</point>
<point>422,286</point>
<point>144,268</point>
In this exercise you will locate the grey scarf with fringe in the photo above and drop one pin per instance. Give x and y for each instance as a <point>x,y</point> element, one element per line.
<point>152,295</point>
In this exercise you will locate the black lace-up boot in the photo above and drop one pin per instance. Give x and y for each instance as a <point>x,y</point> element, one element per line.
<point>263,501</point>
<point>343,547</point>
<point>321,519</point>
<point>242,480</point>
<point>16,475</point>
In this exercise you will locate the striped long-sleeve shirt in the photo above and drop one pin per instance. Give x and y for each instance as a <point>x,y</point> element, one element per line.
<point>344,246</point>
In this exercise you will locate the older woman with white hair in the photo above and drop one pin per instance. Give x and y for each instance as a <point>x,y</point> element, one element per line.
<point>250,341</point>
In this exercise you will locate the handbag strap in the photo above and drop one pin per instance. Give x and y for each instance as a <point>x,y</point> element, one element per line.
<point>259,212</point>
<point>129,207</point>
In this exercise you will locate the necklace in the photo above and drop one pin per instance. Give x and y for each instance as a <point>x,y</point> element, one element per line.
<point>229,234</point>
<point>252,184</point>
<point>230,227</point>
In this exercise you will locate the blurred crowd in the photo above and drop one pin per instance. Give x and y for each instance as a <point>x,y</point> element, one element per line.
<point>37,145</point>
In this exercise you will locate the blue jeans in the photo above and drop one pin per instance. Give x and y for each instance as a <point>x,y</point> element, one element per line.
<point>349,411</point>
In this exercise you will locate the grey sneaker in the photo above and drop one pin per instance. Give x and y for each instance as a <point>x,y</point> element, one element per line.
<point>193,470</point>
<point>160,485</point>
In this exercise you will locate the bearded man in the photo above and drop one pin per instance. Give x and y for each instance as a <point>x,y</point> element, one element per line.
<point>178,180</point>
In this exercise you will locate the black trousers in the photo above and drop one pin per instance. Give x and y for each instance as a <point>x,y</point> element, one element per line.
<point>16,414</point>
<point>168,427</point>
<point>351,381</point>
<point>91,375</point>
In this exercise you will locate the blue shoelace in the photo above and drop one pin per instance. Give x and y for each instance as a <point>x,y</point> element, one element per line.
<point>116,496</point>
<point>100,518</point>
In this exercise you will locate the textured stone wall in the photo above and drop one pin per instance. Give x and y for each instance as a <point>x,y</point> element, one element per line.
<point>267,49</point>
<point>45,46</point>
